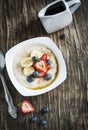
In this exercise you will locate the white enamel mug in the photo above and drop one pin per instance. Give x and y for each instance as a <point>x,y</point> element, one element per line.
<point>58,14</point>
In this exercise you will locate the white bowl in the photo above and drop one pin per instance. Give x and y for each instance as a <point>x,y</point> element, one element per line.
<point>61,76</point>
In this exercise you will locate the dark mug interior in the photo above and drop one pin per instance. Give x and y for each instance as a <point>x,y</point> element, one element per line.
<point>55,8</point>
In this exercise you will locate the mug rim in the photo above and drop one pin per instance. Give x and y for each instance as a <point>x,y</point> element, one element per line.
<point>45,8</point>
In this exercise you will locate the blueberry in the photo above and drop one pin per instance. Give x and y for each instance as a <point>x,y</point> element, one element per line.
<point>47,77</point>
<point>35,74</point>
<point>34,59</point>
<point>62,36</point>
<point>30,78</point>
<point>43,122</point>
<point>48,62</point>
<point>45,109</point>
<point>35,119</point>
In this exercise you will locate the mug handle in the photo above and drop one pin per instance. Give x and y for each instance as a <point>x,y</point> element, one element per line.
<point>73,5</point>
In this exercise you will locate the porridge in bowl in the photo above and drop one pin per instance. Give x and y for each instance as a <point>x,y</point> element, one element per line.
<point>35,66</point>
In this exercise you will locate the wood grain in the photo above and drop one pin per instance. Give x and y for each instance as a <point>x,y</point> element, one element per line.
<point>68,102</point>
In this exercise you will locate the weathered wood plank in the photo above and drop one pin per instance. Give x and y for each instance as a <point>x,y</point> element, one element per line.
<point>68,103</point>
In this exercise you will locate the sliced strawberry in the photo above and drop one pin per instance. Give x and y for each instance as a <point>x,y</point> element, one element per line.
<point>41,74</point>
<point>26,107</point>
<point>48,67</point>
<point>41,66</point>
<point>44,57</point>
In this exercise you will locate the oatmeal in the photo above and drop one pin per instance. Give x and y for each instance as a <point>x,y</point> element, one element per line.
<point>35,67</point>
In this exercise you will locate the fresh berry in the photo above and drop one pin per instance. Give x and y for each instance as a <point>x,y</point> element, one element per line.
<point>48,62</point>
<point>26,107</point>
<point>35,74</point>
<point>41,74</point>
<point>44,57</point>
<point>30,78</point>
<point>41,66</point>
<point>47,77</point>
<point>62,36</point>
<point>43,122</point>
<point>48,67</point>
<point>34,59</point>
<point>35,119</point>
<point>45,109</point>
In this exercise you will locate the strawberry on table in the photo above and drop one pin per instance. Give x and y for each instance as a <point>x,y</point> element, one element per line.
<point>26,107</point>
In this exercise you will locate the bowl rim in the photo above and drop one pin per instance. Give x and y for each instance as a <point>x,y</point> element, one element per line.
<point>61,76</point>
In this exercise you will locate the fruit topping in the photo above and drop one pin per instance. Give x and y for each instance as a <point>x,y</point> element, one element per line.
<point>34,59</point>
<point>41,66</point>
<point>30,78</point>
<point>35,74</point>
<point>44,57</point>
<point>41,74</point>
<point>26,62</point>
<point>48,62</point>
<point>47,77</point>
<point>26,107</point>
<point>27,71</point>
<point>36,66</point>
<point>45,109</point>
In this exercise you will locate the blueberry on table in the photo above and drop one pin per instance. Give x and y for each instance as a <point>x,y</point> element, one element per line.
<point>35,74</point>
<point>62,36</point>
<point>47,77</point>
<point>30,78</point>
<point>45,109</point>
<point>34,59</point>
<point>43,122</point>
<point>34,119</point>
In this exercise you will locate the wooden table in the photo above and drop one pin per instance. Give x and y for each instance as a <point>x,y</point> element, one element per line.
<point>68,103</point>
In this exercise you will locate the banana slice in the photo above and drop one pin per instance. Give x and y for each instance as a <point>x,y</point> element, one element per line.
<point>38,54</point>
<point>27,71</point>
<point>26,62</point>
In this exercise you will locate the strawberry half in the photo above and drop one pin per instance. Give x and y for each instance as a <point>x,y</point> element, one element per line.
<point>44,57</point>
<point>26,107</point>
<point>41,74</point>
<point>41,66</point>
